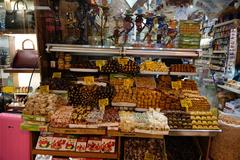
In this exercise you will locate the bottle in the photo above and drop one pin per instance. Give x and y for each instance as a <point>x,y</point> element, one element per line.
<point>53,61</point>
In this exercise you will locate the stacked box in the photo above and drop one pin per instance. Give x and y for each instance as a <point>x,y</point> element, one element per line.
<point>189,35</point>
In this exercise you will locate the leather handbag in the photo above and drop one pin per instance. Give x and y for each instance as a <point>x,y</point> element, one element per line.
<point>26,58</point>
<point>19,19</point>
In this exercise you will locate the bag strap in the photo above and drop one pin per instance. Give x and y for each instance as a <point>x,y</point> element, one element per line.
<point>29,41</point>
<point>16,5</point>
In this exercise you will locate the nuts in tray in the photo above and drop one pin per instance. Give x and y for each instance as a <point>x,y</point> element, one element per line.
<point>130,68</point>
<point>112,66</point>
<point>154,66</point>
<point>111,115</point>
<point>183,68</point>
<point>89,95</point>
<point>62,117</point>
<point>79,115</point>
<point>83,95</point>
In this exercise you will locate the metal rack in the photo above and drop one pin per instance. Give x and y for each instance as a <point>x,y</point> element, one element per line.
<point>128,51</point>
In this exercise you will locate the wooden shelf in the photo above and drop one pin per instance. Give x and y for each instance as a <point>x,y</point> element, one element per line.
<point>75,154</point>
<point>231,89</point>
<point>191,132</point>
<point>183,73</point>
<point>219,51</point>
<point>85,70</point>
<point>21,70</point>
<point>21,94</point>
<point>225,23</point>
<point>153,73</point>
<point>114,133</point>
<point>80,131</point>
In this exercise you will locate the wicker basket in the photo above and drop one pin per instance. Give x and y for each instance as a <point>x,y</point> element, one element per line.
<point>226,146</point>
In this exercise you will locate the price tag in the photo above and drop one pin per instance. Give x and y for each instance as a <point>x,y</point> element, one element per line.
<point>128,83</point>
<point>186,103</point>
<point>89,80</point>
<point>100,63</point>
<point>57,75</point>
<point>8,89</point>
<point>123,61</point>
<point>103,103</point>
<point>44,89</point>
<point>149,156</point>
<point>177,85</point>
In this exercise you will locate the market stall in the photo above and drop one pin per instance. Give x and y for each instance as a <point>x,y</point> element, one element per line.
<point>121,85</point>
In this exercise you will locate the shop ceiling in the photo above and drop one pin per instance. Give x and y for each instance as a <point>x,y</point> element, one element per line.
<point>209,7</point>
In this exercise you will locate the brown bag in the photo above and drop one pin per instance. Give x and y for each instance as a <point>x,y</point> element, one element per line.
<point>26,58</point>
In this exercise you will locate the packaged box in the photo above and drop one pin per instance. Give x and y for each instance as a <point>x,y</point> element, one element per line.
<point>58,142</point>
<point>43,157</point>
<point>81,144</point>
<point>94,145</point>
<point>44,141</point>
<point>108,145</point>
<point>71,143</point>
<point>34,118</point>
<point>34,127</point>
<point>85,159</point>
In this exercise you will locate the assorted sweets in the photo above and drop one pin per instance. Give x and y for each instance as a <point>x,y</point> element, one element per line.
<point>121,65</point>
<point>182,148</point>
<point>93,105</point>
<point>151,122</point>
<point>147,98</point>
<point>43,104</point>
<point>111,116</point>
<point>145,82</point>
<point>62,117</point>
<point>179,120</point>
<point>204,120</point>
<point>89,95</point>
<point>192,120</point>
<point>79,115</point>
<point>112,66</point>
<point>58,84</point>
<point>124,94</point>
<point>153,66</point>
<point>141,149</point>
<point>183,68</point>
<point>129,66</point>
